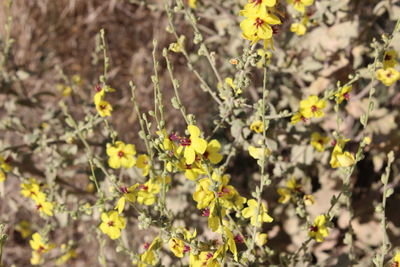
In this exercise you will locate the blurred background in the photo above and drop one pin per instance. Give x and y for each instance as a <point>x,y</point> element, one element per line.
<point>53,57</point>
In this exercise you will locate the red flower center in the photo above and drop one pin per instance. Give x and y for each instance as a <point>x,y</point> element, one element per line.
<point>38,207</point>
<point>102,107</point>
<point>209,255</point>
<point>144,187</point>
<point>185,142</point>
<point>314,108</point>
<point>314,228</point>
<point>346,96</point>
<point>110,223</point>
<point>239,239</point>
<point>206,212</point>
<point>258,23</point>
<point>124,189</point>
<point>256,2</point>
<point>186,248</point>
<point>146,246</point>
<point>97,88</point>
<point>121,154</point>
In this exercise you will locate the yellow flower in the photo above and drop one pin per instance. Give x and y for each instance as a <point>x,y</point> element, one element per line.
<point>104,108</point>
<point>36,258</point>
<point>112,224</point>
<point>214,217</point>
<point>318,230</point>
<point>396,260</point>
<point>227,194</point>
<point>101,92</point>
<point>42,205</point>
<point>256,26</point>
<point>257,126</point>
<point>297,117</point>
<point>318,141</point>
<point>387,76</point>
<point>251,212</point>
<point>4,168</point>
<point>285,195</point>
<point>204,259</point>
<point>4,165</point>
<point>367,140</point>
<point>147,193</point>
<point>298,28</point>
<point>192,171</point>
<point>212,150</point>
<point>121,155</point>
<point>143,163</point>
<point>179,45</point>
<point>30,188</point>
<point>99,95</point>
<point>24,227</point>
<point>192,144</point>
<point>343,94</point>
<point>229,82</point>
<point>389,59</point>
<point>312,107</point>
<point>193,4</point>
<point>2,176</point>
<point>231,244</point>
<point>340,158</point>
<point>300,5</point>
<point>203,196</point>
<point>258,6</point>
<point>129,194</point>
<point>261,239</point>
<point>149,257</point>
<point>39,246</point>
<point>257,153</point>
<point>177,246</point>
<point>309,200</point>
<point>292,188</point>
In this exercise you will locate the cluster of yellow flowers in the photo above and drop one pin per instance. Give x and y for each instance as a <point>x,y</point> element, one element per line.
<point>103,107</point>
<point>39,247</point>
<point>31,189</point>
<point>388,75</point>
<point>313,107</point>
<point>215,198</point>
<point>259,18</point>
<point>4,168</point>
